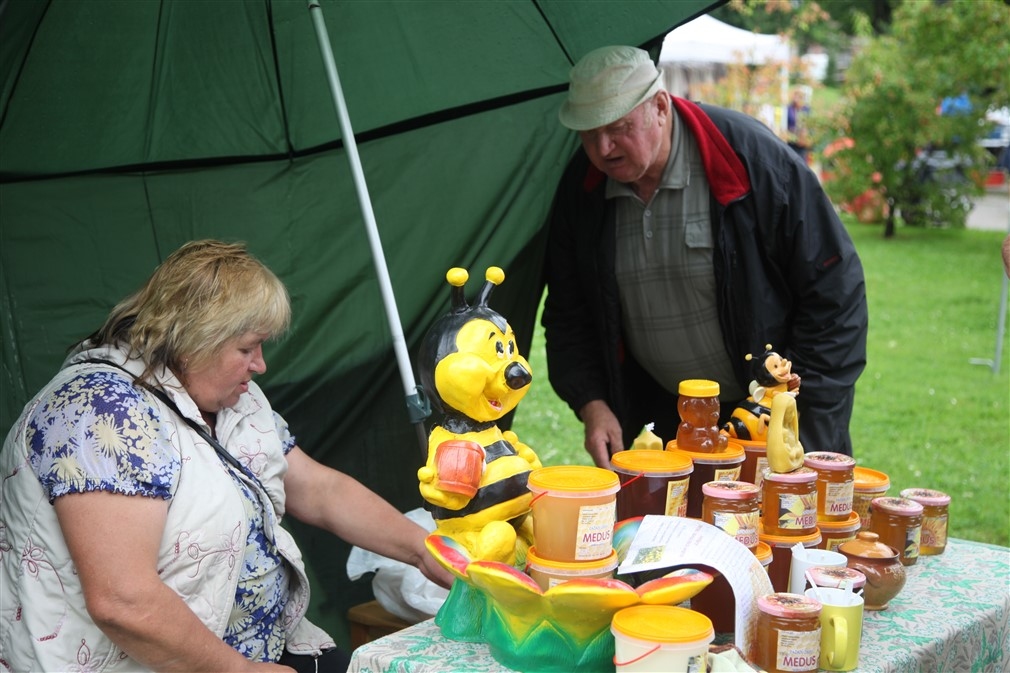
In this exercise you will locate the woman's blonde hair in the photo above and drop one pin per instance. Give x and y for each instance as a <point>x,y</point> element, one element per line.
<point>204,294</point>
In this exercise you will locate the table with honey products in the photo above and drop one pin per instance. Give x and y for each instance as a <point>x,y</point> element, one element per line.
<point>952,615</point>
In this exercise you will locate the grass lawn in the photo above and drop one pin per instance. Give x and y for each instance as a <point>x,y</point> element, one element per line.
<point>923,413</point>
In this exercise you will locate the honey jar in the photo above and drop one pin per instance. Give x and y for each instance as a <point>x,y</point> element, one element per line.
<point>898,524</point>
<point>717,602</point>
<point>719,466</point>
<point>934,518</point>
<point>549,574</point>
<point>835,477</point>
<point>782,555</point>
<point>755,461</point>
<point>867,485</point>
<point>652,482</point>
<point>789,502</point>
<point>835,533</point>
<point>732,506</point>
<point>788,633</point>
<point>698,404</point>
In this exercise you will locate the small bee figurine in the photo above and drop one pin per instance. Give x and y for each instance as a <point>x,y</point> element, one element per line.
<point>765,417</point>
<point>474,478</point>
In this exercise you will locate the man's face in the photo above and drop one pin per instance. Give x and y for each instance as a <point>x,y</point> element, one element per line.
<point>628,147</point>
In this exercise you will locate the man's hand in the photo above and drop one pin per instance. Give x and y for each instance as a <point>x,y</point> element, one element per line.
<point>603,432</point>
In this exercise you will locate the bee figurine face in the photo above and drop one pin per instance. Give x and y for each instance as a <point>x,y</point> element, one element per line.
<point>469,361</point>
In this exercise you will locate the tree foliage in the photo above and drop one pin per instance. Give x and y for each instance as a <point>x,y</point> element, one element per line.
<point>894,87</point>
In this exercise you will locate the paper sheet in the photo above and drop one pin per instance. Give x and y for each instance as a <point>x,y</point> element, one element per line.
<point>666,541</point>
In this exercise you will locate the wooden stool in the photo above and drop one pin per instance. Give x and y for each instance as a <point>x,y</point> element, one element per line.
<point>370,621</point>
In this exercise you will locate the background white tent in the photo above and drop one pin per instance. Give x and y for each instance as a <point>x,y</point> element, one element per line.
<point>699,52</point>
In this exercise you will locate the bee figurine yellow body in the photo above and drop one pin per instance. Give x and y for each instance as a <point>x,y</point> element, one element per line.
<point>474,478</point>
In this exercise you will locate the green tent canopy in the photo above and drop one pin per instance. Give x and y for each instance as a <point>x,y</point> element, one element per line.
<point>128,128</point>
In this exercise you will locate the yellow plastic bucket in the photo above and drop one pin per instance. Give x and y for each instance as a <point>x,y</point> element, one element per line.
<point>574,512</point>
<point>548,573</point>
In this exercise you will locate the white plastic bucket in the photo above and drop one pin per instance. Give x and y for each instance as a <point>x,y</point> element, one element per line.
<point>661,638</point>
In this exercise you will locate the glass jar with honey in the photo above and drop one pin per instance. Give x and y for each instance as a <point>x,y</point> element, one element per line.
<point>789,502</point>
<point>733,507</point>
<point>788,633</point>
<point>835,477</point>
<point>898,524</point>
<point>934,518</point>
<point>698,405</point>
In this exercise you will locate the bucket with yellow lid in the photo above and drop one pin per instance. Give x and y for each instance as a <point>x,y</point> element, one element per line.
<point>574,511</point>
<point>661,638</point>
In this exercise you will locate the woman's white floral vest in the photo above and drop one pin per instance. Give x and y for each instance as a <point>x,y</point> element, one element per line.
<point>44,624</point>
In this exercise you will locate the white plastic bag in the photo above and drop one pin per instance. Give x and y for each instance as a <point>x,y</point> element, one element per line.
<point>398,587</point>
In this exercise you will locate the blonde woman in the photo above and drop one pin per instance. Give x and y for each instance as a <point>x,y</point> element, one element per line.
<point>144,486</point>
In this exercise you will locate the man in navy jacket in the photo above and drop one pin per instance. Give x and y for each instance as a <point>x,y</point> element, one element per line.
<point>683,238</point>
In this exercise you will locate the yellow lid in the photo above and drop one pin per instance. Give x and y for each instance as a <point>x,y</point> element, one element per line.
<point>573,479</point>
<point>732,454</point>
<point>651,461</point>
<point>763,553</point>
<point>811,540</point>
<point>662,624</point>
<point>843,526</point>
<point>865,479</point>
<point>698,388</point>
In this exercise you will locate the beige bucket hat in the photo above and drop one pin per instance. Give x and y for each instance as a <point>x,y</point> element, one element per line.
<point>606,84</point>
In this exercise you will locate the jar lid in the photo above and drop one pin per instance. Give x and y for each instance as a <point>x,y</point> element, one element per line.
<point>926,496</point>
<point>763,553</point>
<point>662,623</point>
<point>867,544</point>
<point>698,388</point>
<point>789,605</point>
<point>573,481</point>
<point>808,540</point>
<point>828,460</point>
<point>865,479</point>
<point>638,460</point>
<point>896,506</point>
<point>845,526</point>
<point>731,490</point>
<point>823,576</point>
<point>801,475</point>
<point>732,454</point>
<point>608,562</point>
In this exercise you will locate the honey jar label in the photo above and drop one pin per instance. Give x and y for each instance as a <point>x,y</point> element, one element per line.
<point>728,474</point>
<point>934,531</point>
<point>759,471</point>
<point>595,531</point>
<point>742,525</point>
<point>798,650</point>
<point>676,497</point>
<point>833,543</point>
<point>797,511</point>
<point>913,535</point>
<point>838,499</point>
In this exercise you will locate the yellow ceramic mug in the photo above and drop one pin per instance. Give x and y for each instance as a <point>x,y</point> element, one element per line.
<point>841,627</point>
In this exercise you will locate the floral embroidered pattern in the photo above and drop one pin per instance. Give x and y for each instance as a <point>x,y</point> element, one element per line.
<point>97,432</point>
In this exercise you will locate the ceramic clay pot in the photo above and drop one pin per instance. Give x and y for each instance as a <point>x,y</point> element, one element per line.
<point>885,575</point>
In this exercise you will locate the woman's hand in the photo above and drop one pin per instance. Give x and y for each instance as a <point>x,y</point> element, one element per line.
<point>321,496</point>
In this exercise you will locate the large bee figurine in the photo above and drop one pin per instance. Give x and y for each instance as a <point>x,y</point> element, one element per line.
<point>474,478</point>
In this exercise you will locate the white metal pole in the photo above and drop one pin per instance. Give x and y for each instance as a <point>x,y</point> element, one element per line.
<point>417,403</point>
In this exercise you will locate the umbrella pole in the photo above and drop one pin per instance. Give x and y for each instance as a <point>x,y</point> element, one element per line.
<point>418,406</point>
